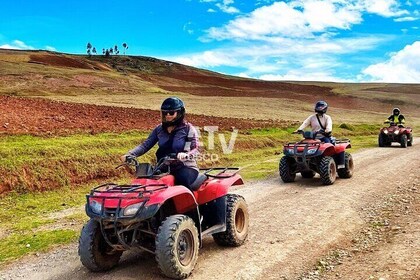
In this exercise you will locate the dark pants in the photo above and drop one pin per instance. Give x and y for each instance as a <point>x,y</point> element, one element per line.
<point>325,139</point>
<point>185,176</point>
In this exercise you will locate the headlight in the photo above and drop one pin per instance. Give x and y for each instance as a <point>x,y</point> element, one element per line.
<point>132,209</point>
<point>311,151</point>
<point>95,206</point>
<point>386,131</point>
<point>396,132</point>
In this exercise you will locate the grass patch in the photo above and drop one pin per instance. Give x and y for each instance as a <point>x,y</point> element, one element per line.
<point>24,215</point>
<point>17,245</point>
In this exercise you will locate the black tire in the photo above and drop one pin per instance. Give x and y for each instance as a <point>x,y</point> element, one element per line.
<point>327,170</point>
<point>381,141</point>
<point>177,246</point>
<point>237,222</point>
<point>286,169</point>
<point>347,171</point>
<point>308,174</point>
<point>404,141</point>
<point>410,141</point>
<point>95,254</point>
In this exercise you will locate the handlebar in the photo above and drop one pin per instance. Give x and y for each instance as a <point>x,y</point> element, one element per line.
<point>132,161</point>
<point>314,134</point>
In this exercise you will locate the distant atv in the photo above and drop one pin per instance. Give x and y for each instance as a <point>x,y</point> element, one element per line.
<point>310,156</point>
<point>167,220</point>
<point>395,133</point>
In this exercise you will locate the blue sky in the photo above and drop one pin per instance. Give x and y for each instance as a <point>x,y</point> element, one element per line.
<point>321,40</point>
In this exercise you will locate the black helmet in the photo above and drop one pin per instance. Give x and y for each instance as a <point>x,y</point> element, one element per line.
<point>172,104</point>
<point>321,107</point>
<point>396,111</point>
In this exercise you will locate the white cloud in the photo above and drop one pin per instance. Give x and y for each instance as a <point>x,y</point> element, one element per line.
<point>289,39</point>
<point>189,27</point>
<point>318,55</point>
<point>402,67</point>
<point>321,15</point>
<point>276,19</point>
<point>297,75</point>
<point>386,8</point>
<point>300,18</point>
<point>49,48</point>
<point>206,59</point>
<point>17,45</point>
<point>226,7</point>
<point>405,19</point>
<point>210,10</point>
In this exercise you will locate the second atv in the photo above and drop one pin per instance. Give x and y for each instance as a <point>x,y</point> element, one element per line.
<point>310,156</point>
<point>395,133</point>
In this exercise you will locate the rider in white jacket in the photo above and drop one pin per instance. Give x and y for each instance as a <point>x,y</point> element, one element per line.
<point>319,122</point>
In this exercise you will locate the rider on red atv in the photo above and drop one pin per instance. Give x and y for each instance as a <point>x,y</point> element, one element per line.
<point>174,136</point>
<point>396,117</point>
<point>319,122</point>
<point>321,125</point>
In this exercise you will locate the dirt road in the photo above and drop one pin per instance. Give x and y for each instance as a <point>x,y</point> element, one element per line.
<point>292,227</point>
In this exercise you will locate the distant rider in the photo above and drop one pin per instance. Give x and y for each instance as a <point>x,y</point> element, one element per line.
<point>319,122</point>
<point>173,136</point>
<point>396,117</point>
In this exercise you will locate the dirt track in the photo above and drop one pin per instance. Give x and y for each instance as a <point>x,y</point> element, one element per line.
<point>292,226</point>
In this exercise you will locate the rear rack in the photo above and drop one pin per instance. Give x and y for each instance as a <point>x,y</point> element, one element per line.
<point>344,140</point>
<point>223,172</point>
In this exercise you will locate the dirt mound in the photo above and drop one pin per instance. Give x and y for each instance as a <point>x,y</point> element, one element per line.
<point>43,117</point>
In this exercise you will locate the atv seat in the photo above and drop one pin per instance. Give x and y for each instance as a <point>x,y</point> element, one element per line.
<point>198,181</point>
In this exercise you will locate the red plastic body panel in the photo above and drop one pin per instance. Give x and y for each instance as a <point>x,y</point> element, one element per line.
<point>163,189</point>
<point>403,130</point>
<point>327,149</point>
<point>341,147</point>
<point>216,187</point>
<point>168,180</point>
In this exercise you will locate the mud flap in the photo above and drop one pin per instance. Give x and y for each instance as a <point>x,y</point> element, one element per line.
<point>339,160</point>
<point>214,215</point>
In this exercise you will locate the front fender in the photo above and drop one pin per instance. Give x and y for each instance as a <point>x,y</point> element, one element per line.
<point>183,198</point>
<point>327,149</point>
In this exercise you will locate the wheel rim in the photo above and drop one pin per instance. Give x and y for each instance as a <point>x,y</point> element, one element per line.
<point>332,171</point>
<point>185,247</point>
<point>240,221</point>
<point>351,166</point>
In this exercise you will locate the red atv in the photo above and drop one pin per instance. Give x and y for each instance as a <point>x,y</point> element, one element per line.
<point>395,133</point>
<point>162,218</point>
<point>310,156</point>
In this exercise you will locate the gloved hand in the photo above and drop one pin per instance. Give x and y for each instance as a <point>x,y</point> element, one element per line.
<point>123,157</point>
<point>182,156</point>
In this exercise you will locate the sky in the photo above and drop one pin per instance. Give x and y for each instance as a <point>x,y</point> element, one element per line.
<point>313,40</point>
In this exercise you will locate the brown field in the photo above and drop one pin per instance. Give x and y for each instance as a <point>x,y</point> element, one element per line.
<point>43,117</point>
<point>142,83</point>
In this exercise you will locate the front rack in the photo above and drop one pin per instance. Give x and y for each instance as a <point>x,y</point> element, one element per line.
<point>115,188</point>
<point>114,216</point>
<point>223,172</point>
<point>304,146</point>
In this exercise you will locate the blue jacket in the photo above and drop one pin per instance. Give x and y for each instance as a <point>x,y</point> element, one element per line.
<point>185,139</point>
